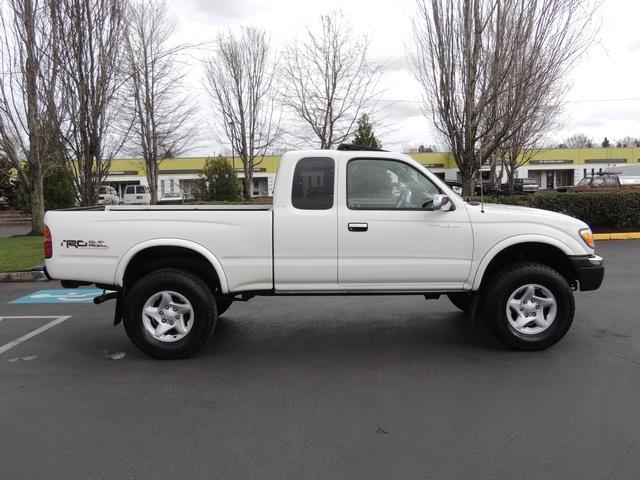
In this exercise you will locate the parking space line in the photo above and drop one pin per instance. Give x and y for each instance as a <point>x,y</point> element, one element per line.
<point>57,320</point>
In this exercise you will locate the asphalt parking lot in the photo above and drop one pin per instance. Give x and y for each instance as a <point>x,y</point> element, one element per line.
<point>324,388</point>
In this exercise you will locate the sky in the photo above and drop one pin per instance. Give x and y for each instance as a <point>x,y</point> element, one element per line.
<point>604,99</point>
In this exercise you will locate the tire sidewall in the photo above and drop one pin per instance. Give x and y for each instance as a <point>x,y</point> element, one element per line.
<point>515,279</point>
<point>193,289</point>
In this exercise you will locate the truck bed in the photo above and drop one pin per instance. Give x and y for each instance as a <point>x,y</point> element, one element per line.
<point>188,207</point>
<point>95,244</point>
<point>103,208</point>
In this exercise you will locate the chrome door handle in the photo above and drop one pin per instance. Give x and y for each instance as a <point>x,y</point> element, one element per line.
<point>358,227</point>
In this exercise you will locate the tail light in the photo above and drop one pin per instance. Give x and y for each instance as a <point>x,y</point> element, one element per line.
<point>48,245</point>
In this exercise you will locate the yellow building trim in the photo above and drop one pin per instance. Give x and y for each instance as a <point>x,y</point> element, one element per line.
<point>552,158</point>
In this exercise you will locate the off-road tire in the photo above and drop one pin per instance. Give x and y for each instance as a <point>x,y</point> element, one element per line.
<point>223,305</point>
<point>461,300</point>
<point>188,285</point>
<point>506,282</point>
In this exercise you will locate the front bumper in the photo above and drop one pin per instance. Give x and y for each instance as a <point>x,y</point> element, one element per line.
<point>589,271</point>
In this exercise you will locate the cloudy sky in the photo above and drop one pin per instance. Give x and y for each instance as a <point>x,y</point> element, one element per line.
<point>604,99</point>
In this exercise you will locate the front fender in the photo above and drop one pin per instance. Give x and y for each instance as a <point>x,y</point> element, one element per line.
<point>508,242</point>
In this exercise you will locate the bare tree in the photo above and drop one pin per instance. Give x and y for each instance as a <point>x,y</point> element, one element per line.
<point>329,81</point>
<point>628,141</point>
<point>485,65</point>
<point>91,56</point>
<point>162,117</point>
<point>542,113</point>
<point>28,96</point>
<point>241,81</point>
<point>579,140</point>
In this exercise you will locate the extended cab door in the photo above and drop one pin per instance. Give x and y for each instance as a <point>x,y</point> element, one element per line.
<point>390,238</point>
<point>305,214</point>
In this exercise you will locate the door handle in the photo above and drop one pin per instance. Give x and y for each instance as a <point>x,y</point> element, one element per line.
<point>358,227</point>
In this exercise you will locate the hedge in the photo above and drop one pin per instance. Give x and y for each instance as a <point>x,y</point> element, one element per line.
<point>603,211</point>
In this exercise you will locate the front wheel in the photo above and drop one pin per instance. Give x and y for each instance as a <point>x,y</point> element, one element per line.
<point>461,300</point>
<point>529,306</point>
<point>170,313</point>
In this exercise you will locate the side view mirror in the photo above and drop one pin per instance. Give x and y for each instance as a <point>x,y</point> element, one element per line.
<point>441,202</point>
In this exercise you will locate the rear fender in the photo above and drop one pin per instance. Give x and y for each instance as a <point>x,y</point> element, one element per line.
<point>171,242</point>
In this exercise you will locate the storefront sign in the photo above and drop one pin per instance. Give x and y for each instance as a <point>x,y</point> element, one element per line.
<point>606,160</point>
<point>550,162</point>
<point>255,169</point>
<point>180,171</point>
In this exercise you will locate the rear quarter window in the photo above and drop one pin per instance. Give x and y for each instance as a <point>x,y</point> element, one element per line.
<point>313,184</point>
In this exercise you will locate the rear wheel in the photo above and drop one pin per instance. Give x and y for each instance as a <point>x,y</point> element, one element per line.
<point>223,305</point>
<point>529,306</point>
<point>170,313</point>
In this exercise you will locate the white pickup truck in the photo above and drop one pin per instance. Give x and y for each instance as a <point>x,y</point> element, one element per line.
<point>343,222</point>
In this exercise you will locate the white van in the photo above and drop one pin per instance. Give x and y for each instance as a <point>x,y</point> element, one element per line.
<point>137,195</point>
<point>108,196</point>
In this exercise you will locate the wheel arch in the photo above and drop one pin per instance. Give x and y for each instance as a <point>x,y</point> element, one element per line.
<point>543,250</point>
<point>164,253</point>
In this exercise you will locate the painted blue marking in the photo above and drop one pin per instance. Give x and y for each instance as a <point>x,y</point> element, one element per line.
<point>60,296</point>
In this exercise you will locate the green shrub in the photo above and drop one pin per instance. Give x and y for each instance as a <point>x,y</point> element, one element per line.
<point>602,211</point>
<point>218,181</point>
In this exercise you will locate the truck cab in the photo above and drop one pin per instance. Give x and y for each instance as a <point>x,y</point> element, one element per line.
<point>367,222</point>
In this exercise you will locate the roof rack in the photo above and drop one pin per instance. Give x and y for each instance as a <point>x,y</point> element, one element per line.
<point>361,148</point>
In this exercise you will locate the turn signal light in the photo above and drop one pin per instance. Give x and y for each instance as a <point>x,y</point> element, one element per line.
<point>48,245</point>
<point>587,236</point>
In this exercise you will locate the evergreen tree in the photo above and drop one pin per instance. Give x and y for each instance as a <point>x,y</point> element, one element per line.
<point>364,136</point>
<point>605,143</point>
<point>218,181</point>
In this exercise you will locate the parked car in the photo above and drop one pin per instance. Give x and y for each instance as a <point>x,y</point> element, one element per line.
<point>108,195</point>
<point>174,271</point>
<point>604,182</point>
<point>137,195</point>
<point>455,186</point>
<point>175,198</point>
<point>528,185</point>
<point>488,187</point>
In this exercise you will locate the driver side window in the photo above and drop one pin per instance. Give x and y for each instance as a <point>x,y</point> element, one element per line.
<point>387,185</point>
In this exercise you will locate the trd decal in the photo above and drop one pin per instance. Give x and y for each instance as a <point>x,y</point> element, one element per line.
<point>85,244</point>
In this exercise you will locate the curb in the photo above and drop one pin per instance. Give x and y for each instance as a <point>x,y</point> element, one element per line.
<point>35,275</point>
<point>617,236</point>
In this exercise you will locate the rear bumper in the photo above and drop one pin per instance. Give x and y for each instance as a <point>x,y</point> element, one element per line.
<point>589,270</point>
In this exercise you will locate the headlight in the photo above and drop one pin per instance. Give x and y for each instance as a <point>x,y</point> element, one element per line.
<point>587,236</point>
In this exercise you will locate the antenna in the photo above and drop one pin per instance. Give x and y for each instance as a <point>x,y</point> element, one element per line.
<point>481,191</point>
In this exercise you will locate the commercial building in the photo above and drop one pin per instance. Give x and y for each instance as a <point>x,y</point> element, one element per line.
<point>552,168</point>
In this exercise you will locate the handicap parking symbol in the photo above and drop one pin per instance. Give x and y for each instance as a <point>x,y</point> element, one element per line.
<point>60,296</point>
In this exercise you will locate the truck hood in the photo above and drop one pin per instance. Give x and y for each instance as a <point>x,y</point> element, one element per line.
<point>496,213</point>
